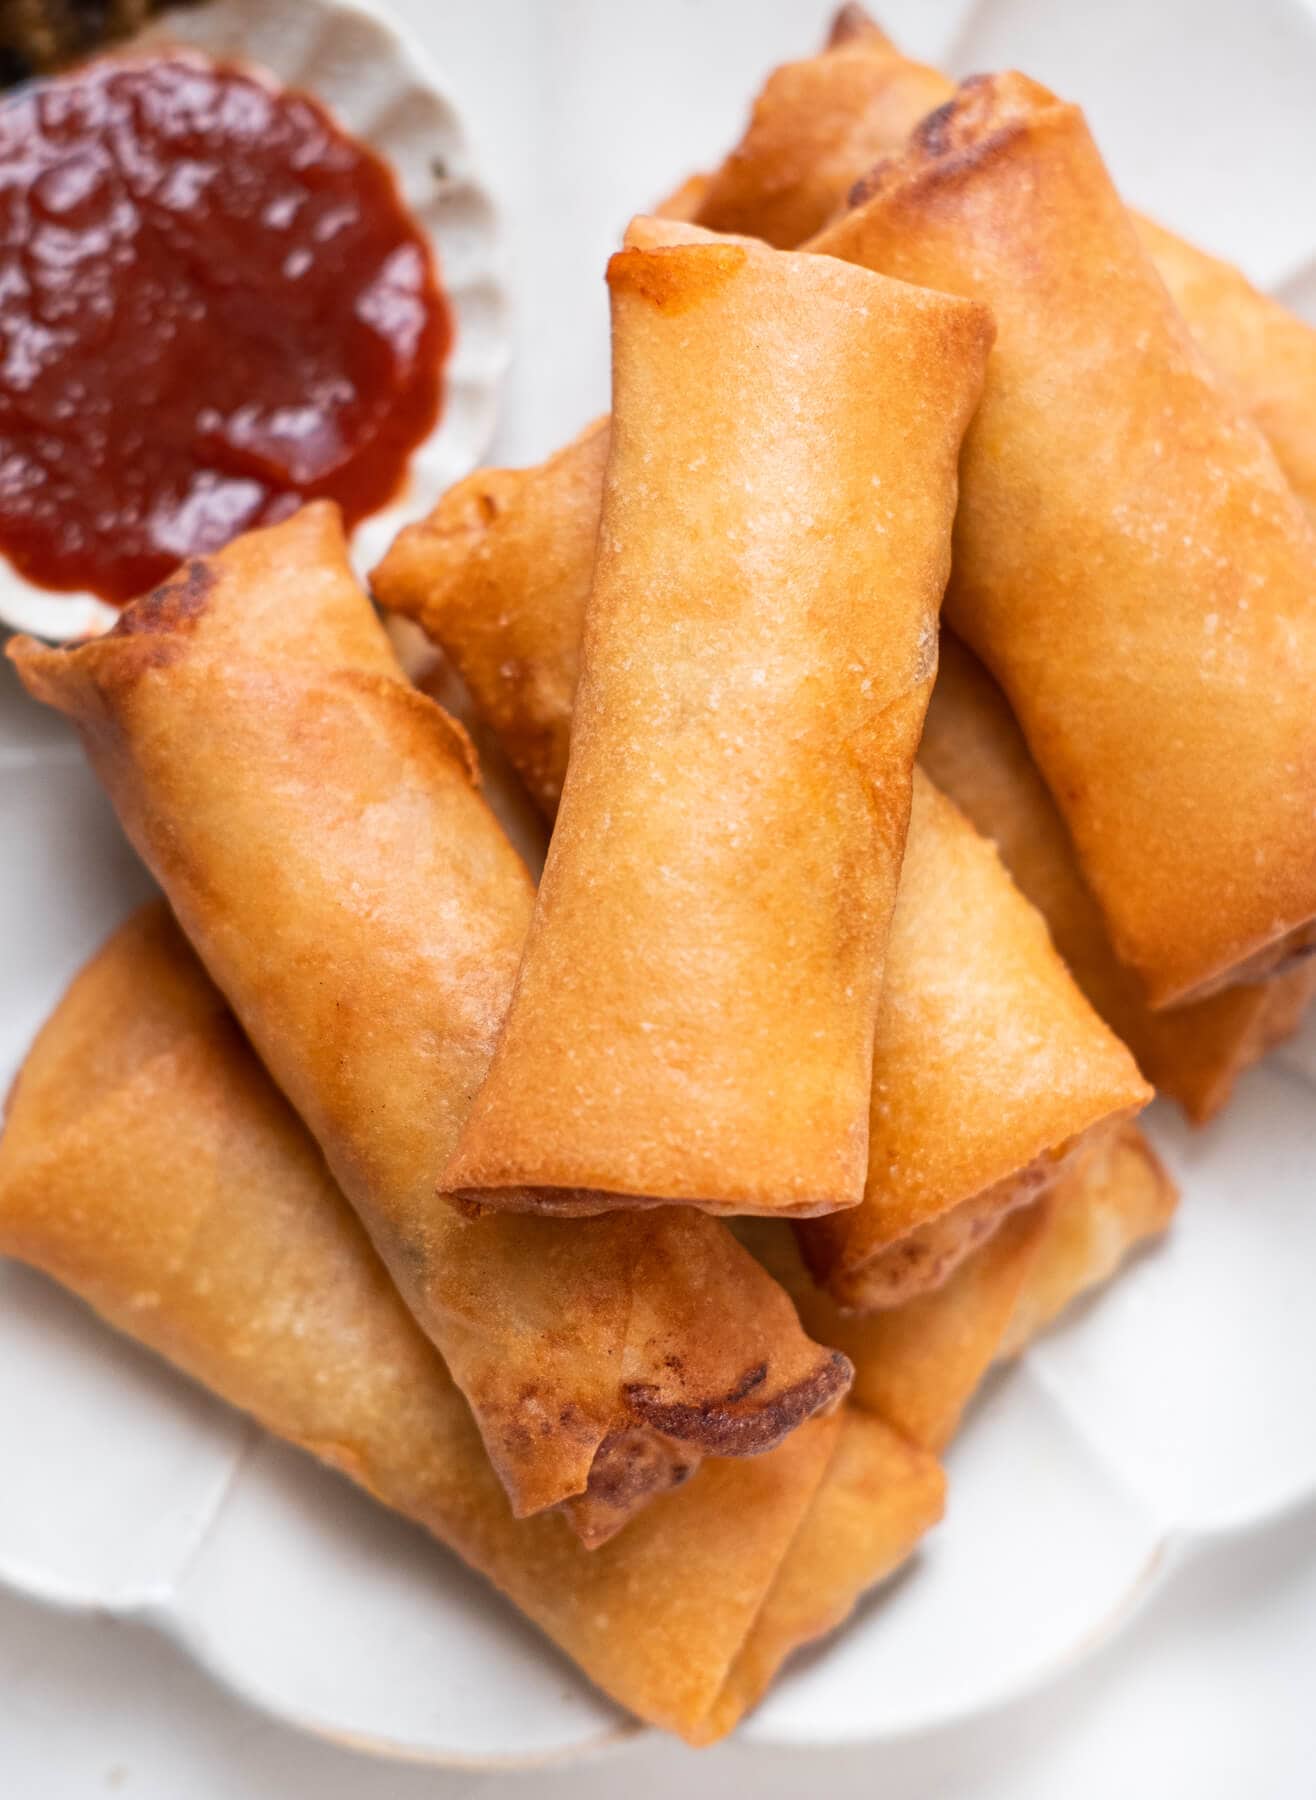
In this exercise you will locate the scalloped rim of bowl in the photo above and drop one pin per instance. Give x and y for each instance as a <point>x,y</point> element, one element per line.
<point>381,87</point>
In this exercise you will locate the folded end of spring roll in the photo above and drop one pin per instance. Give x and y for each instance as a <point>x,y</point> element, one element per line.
<point>975,751</point>
<point>497,575</point>
<point>1119,1200</point>
<point>992,1070</point>
<point>606,1357</point>
<point>920,1260</point>
<point>714,1363</point>
<point>815,125</point>
<point>972,125</point>
<point>298,591</point>
<point>148,1164</point>
<point>918,1365</point>
<point>853,23</point>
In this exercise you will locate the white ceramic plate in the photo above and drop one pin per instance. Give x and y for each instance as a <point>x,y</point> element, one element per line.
<point>1171,1410</point>
<point>381,88</point>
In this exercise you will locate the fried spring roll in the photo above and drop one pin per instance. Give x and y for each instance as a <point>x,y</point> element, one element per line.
<point>815,128</point>
<point>819,125</point>
<point>976,753</point>
<point>1266,353</point>
<point>316,826</point>
<point>1129,561</point>
<point>990,1072</point>
<point>918,1365</point>
<point>1119,1200</point>
<point>693,1016</point>
<point>498,576</point>
<point>989,1066</point>
<point>149,1164</point>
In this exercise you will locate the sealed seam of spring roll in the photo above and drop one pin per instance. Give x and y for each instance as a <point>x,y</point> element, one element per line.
<point>1129,560</point>
<point>149,1164</point>
<point>988,1063</point>
<point>314,822</point>
<point>693,1016</point>
<point>975,752</point>
<point>819,125</point>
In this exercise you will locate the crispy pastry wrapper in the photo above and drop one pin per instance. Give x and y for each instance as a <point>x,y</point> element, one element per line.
<point>819,125</point>
<point>989,1065</point>
<point>149,1164</point>
<point>1117,1200</point>
<point>1265,352</point>
<point>976,753</point>
<point>816,126</point>
<point>990,1071</point>
<point>515,644</point>
<point>498,575</point>
<point>316,825</point>
<point>758,650</point>
<point>918,1365</point>
<point>816,129</point>
<point>1129,560</point>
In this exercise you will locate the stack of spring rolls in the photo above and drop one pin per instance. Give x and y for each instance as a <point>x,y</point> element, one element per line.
<point>645,1236</point>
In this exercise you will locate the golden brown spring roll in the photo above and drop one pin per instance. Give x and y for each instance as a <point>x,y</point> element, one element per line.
<point>976,753</point>
<point>1266,353</point>
<point>957,1136</point>
<point>816,126</point>
<point>819,125</point>
<point>520,666</point>
<point>315,824</point>
<point>990,1072</point>
<point>498,576</point>
<point>693,1016</point>
<point>149,1164</point>
<point>1117,1201</point>
<point>1129,561</point>
<point>918,1365</point>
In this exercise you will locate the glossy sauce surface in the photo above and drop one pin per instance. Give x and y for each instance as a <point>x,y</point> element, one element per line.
<point>213,304</point>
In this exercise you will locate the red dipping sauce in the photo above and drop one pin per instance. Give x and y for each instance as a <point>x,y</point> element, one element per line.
<point>213,305</point>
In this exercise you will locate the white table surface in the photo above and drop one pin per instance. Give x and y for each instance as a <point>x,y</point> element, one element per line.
<point>581,111</point>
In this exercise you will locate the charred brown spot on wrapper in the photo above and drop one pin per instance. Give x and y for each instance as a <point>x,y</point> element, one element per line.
<point>934,134</point>
<point>870,184</point>
<point>173,605</point>
<point>632,1466</point>
<point>633,1462</point>
<point>751,1379</point>
<point>722,1426</point>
